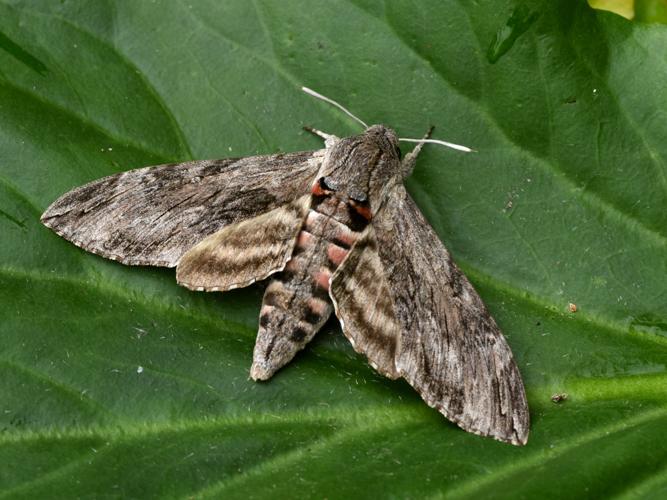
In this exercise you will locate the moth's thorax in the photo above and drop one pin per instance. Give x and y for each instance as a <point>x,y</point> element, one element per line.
<point>359,167</point>
<point>353,212</point>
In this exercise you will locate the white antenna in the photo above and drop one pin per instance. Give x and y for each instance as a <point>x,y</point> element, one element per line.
<point>348,113</point>
<point>331,101</point>
<point>465,149</point>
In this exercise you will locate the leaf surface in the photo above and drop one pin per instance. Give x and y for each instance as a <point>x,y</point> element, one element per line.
<point>114,381</point>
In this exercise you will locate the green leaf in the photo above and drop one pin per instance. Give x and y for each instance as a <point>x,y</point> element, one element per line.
<point>651,11</point>
<point>116,382</point>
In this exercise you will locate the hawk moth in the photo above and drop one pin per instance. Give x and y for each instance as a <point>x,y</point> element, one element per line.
<point>334,231</point>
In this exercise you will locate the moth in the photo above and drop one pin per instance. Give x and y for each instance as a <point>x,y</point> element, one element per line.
<point>333,231</point>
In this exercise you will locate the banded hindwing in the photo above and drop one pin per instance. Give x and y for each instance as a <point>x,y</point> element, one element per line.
<point>361,298</point>
<point>243,253</point>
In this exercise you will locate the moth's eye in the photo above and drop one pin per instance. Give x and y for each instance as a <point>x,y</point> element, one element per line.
<point>324,187</point>
<point>327,184</point>
<point>358,204</point>
<point>358,197</point>
<point>398,152</point>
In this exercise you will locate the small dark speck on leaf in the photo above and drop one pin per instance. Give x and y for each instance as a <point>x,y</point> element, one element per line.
<point>559,397</point>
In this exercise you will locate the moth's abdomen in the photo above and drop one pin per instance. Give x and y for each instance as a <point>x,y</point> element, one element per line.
<point>296,303</point>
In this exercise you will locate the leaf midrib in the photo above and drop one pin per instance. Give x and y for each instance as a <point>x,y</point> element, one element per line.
<point>608,385</point>
<point>477,276</point>
<point>468,486</point>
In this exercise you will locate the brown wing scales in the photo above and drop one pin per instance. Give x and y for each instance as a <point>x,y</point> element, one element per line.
<point>153,215</point>
<point>243,253</point>
<point>447,346</point>
<point>362,302</point>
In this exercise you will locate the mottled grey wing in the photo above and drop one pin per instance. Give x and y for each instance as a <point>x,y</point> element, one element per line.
<point>447,346</point>
<point>245,252</point>
<point>360,294</point>
<point>153,215</point>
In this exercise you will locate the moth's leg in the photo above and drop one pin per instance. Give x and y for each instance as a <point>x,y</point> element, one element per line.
<point>329,139</point>
<point>408,163</point>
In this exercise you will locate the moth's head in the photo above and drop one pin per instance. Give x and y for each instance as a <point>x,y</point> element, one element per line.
<point>357,169</point>
<point>360,169</point>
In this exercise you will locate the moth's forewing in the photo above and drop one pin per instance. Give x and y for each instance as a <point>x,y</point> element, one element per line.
<point>448,346</point>
<point>153,215</point>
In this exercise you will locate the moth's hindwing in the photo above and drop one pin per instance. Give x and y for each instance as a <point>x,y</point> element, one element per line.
<point>448,347</point>
<point>243,253</point>
<point>153,215</point>
<point>361,298</point>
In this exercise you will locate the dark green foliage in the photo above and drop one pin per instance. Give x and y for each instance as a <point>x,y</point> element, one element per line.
<point>564,202</point>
